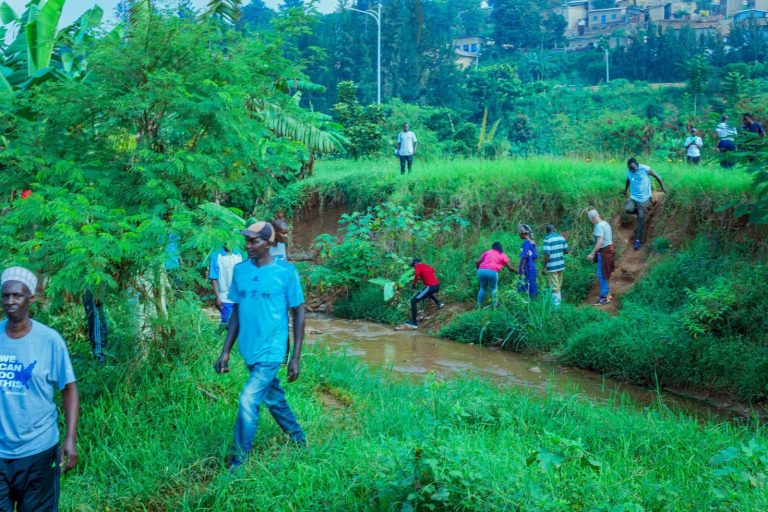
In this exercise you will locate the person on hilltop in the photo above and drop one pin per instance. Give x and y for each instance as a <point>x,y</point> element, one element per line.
<point>527,266</point>
<point>693,145</point>
<point>426,274</point>
<point>726,140</point>
<point>488,266</point>
<point>602,254</point>
<point>555,248</point>
<point>34,363</point>
<point>638,184</point>
<point>262,291</point>
<point>279,250</point>
<point>752,126</point>
<point>406,147</point>
<point>220,272</point>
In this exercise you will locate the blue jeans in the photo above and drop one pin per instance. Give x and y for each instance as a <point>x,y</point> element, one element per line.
<point>604,290</point>
<point>489,279</point>
<point>262,387</point>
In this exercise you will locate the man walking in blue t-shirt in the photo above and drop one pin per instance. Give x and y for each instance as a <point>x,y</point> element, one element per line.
<point>262,290</point>
<point>34,363</point>
<point>639,186</point>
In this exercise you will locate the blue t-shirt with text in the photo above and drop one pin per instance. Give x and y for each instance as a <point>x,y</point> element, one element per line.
<point>31,369</point>
<point>263,296</point>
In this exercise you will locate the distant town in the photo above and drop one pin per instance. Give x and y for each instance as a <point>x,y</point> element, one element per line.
<point>591,26</point>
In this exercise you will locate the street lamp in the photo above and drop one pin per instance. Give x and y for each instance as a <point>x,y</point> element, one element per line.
<point>607,66</point>
<point>377,16</point>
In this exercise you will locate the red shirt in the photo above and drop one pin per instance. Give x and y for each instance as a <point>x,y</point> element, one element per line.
<point>425,273</point>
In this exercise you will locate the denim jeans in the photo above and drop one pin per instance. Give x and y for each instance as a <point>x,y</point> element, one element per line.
<point>489,280</point>
<point>604,289</point>
<point>262,387</point>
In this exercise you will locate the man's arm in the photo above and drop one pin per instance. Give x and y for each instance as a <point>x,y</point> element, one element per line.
<point>216,299</point>
<point>657,178</point>
<point>298,342</point>
<point>71,414</point>
<point>546,260</point>
<point>415,143</point>
<point>626,186</point>
<point>233,329</point>
<point>596,248</point>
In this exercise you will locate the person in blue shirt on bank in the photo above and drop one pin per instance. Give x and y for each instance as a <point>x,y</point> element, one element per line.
<point>220,272</point>
<point>555,248</point>
<point>262,291</point>
<point>34,363</point>
<point>639,186</point>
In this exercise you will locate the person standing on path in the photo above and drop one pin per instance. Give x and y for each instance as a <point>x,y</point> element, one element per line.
<point>693,145</point>
<point>752,126</point>
<point>34,362</point>
<point>639,186</point>
<point>279,250</point>
<point>262,291</point>
<point>726,140</point>
<point>527,266</point>
<point>220,272</point>
<point>406,147</point>
<point>426,274</point>
<point>602,254</point>
<point>488,266</point>
<point>555,248</point>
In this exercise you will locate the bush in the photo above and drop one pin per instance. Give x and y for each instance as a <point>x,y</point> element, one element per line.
<point>485,327</point>
<point>367,303</point>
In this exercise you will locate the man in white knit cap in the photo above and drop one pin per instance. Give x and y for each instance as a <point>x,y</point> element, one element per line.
<point>33,361</point>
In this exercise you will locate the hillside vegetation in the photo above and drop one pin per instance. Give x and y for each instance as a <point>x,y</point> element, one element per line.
<point>696,318</point>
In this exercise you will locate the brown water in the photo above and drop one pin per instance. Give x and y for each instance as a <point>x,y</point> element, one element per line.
<point>414,353</point>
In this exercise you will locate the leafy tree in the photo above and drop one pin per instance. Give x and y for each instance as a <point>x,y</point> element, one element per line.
<point>256,16</point>
<point>698,71</point>
<point>363,126</point>
<point>227,10</point>
<point>494,87</point>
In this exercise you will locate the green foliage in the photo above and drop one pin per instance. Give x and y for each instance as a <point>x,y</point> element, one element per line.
<point>362,125</point>
<point>708,308</point>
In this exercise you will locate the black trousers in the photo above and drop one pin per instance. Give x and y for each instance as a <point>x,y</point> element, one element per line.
<point>403,160</point>
<point>30,484</point>
<point>427,293</point>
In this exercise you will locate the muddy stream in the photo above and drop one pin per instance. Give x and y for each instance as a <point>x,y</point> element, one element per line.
<point>415,353</point>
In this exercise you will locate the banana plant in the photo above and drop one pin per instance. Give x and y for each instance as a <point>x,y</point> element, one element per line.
<point>30,58</point>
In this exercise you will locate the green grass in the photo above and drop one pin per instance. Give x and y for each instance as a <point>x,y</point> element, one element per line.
<point>537,185</point>
<point>153,437</point>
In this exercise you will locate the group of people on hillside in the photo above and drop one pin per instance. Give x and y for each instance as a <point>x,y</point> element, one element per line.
<point>637,189</point>
<point>725,135</point>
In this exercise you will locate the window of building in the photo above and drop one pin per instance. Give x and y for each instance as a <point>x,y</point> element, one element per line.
<point>613,16</point>
<point>473,47</point>
<point>466,47</point>
<point>594,18</point>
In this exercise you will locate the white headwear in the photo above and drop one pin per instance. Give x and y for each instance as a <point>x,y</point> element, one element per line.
<point>592,214</point>
<point>21,275</point>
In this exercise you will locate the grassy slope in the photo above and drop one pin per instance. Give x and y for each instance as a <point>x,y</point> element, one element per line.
<point>153,439</point>
<point>495,196</point>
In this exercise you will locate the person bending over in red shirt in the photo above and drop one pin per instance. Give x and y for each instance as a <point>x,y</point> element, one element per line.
<point>425,274</point>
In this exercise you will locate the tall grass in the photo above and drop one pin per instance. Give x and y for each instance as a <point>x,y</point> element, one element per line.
<point>153,438</point>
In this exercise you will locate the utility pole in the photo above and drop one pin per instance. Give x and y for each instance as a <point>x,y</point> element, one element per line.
<point>377,16</point>
<point>607,66</point>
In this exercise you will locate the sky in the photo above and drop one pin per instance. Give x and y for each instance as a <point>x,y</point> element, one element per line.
<point>74,8</point>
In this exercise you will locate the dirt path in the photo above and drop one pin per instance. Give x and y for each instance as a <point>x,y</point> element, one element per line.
<point>630,264</point>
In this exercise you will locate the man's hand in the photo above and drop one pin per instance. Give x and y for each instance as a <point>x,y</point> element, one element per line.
<point>222,365</point>
<point>68,454</point>
<point>544,270</point>
<point>591,256</point>
<point>217,303</point>
<point>293,370</point>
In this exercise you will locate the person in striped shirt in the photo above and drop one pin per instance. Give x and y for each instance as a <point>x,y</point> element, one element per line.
<point>555,248</point>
